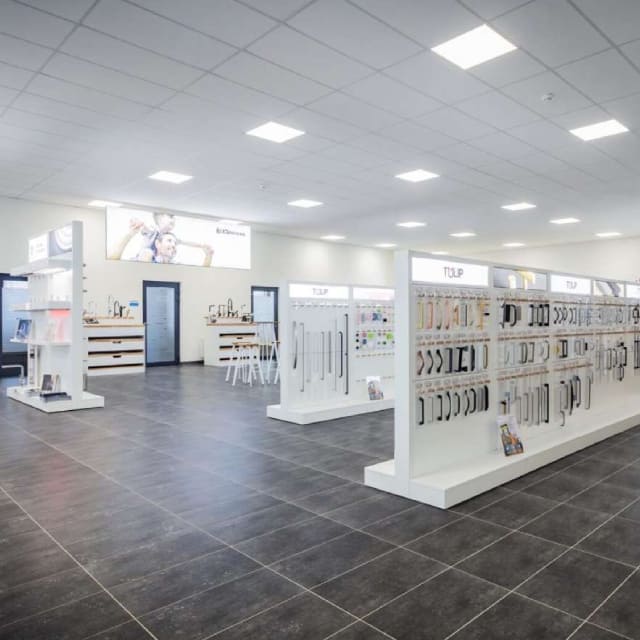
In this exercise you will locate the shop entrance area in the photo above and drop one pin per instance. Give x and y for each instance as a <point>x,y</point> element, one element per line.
<point>180,510</point>
<point>13,355</point>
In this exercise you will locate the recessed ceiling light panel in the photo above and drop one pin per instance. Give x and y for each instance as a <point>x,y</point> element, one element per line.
<point>608,234</point>
<point>170,176</point>
<point>439,253</point>
<point>411,224</point>
<point>518,206</point>
<point>386,245</point>
<point>463,234</point>
<point>474,47</point>
<point>102,204</point>
<point>275,132</point>
<point>564,220</point>
<point>332,237</point>
<point>599,130</point>
<point>304,204</point>
<point>417,175</point>
<point>513,245</point>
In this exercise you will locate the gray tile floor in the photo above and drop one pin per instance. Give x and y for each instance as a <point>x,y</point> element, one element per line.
<point>181,512</point>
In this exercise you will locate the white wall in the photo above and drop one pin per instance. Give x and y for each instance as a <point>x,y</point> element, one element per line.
<point>611,259</point>
<point>275,259</point>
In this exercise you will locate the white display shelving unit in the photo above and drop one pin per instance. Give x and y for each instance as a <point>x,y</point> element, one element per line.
<point>333,337</point>
<point>55,343</point>
<point>115,347</point>
<point>445,459</point>
<point>220,337</point>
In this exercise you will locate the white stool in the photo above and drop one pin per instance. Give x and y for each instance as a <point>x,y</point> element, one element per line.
<point>246,361</point>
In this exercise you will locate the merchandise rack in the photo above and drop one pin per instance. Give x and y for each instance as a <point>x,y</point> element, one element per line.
<point>333,337</point>
<point>56,343</point>
<point>444,462</point>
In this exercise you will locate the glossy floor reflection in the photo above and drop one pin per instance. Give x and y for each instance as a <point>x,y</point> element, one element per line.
<point>181,511</point>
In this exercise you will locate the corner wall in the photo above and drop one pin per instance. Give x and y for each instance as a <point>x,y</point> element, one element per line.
<point>275,259</point>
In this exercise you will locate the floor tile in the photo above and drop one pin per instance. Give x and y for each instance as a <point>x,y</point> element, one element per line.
<point>576,582</point>
<point>565,524</point>
<point>360,631</point>
<point>285,542</point>
<point>128,631</point>
<point>605,497</point>
<point>511,560</point>
<point>366,512</point>
<point>411,524</point>
<point>72,621</point>
<point>453,598</point>
<point>458,540</point>
<point>516,510</point>
<point>632,512</point>
<point>212,611</point>
<point>141,561</point>
<point>165,587</point>
<point>336,498</point>
<point>326,561</point>
<point>259,523</point>
<point>305,617</point>
<point>621,612</point>
<point>516,618</point>
<point>229,509</point>
<point>483,500</point>
<point>618,539</point>
<point>560,487</point>
<point>372,585</point>
<point>628,478</point>
<point>591,632</point>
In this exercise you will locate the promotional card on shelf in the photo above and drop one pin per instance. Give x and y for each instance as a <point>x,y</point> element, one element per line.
<point>509,435</point>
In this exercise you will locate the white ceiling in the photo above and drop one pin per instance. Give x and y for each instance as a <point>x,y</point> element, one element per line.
<point>95,95</point>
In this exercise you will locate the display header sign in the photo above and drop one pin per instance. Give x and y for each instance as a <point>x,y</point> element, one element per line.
<point>633,291</point>
<point>504,278</point>
<point>318,291</point>
<point>165,238</point>
<point>39,247</point>
<point>462,274</point>
<point>369,293</point>
<point>570,284</point>
<point>608,288</point>
<point>50,244</point>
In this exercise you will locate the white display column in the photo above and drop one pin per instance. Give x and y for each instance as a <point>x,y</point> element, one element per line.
<point>52,326</point>
<point>336,354</point>
<point>481,347</point>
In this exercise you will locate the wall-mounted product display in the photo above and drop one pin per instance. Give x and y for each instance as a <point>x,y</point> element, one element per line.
<point>165,238</point>
<point>337,351</point>
<point>52,327</point>
<point>492,361</point>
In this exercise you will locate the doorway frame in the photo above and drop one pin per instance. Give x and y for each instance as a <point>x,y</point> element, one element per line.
<point>274,290</point>
<point>17,358</point>
<point>176,326</point>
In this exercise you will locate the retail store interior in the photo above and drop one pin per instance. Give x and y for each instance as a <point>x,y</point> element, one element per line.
<point>320,319</point>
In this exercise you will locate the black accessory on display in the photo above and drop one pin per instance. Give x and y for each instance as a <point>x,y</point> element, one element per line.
<point>430,360</point>
<point>421,401</point>
<point>420,359</point>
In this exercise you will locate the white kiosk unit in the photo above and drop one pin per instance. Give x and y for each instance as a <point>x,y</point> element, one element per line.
<point>501,370</point>
<point>336,354</point>
<point>52,326</point>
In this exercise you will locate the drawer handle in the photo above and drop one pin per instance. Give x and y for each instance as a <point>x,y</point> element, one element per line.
<point>117,355</point>
<point>116,342</point>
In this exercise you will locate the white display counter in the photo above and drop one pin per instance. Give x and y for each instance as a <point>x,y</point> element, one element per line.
<point>220,337</point>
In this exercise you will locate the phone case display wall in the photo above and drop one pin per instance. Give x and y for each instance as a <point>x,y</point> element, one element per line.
<point>500,370</point>
<point>52,327</point>
<point>337,347</point>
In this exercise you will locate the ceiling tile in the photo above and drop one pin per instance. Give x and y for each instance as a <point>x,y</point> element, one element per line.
<point>497,110</point>
<point>626,110</point>
<point>354,33</point>
<point>13,77</point>
<point>145,29</point>
<point>490,9</point>
<point>502,145</point>
<point>234,95</point>
<point>259,74</point>
<point>227,20</point>
<point>355,156</point>
<point>320,125</point>
<point>544,135</point>
<point>467,155</point>
<point>40,122</point>
<point>619,22</point>
<point>21,53</point>
<point>69,9</point>
<point>109,52</point>
<point>417,136</point>
<point>540,162</point>
<point>605,76</point>
<point>7,95</point>
<point>429,22</point>
<point>292,50</point>
<point>391,95</point>
<point>280,9</point>
<point>625,149</point>
<point>633,51</point>
<point>456,124</point>
<point>503,70</point>
<point>581,117</point>
<point>551,30</point>
<point>409,157</point>
<point>33,25</point>
<point>113,82</point>
<point>89,98</point>
<point>343,107</point>
<point>436,77</point>
<point>530,93</point>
